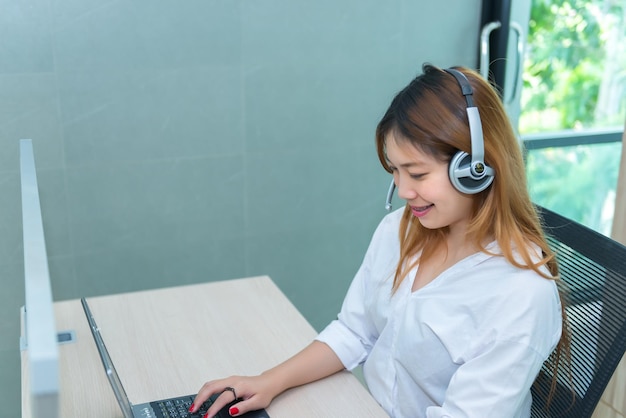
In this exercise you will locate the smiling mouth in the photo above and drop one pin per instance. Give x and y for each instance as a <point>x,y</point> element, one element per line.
<point>421,208</point>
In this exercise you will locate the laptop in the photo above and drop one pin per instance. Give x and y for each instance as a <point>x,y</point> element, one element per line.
<point>166,408</point>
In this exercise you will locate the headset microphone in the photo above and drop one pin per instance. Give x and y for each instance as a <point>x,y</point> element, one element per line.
<point>392,187</point>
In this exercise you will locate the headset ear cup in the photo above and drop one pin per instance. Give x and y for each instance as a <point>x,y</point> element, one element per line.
<point>458,171</point>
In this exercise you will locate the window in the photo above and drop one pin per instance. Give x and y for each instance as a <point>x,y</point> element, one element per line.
<point>575,67</point>
<point>574,97</point>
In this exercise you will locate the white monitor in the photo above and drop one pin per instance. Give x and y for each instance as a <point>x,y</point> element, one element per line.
<point>39,335</point>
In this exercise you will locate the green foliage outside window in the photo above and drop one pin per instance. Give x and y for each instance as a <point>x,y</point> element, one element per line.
<point>575,78</point>
<point>575,67</point>
<point>577,182</point>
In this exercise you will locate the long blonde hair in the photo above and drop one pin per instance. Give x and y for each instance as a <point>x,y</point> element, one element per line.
<point>430,113</point>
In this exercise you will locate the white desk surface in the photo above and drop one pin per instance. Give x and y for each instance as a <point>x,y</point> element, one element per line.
<point>168,342</point>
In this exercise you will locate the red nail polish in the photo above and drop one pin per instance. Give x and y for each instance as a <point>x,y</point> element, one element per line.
<point>191,408</point>
<point>233,411</point>
<point>206,415</point>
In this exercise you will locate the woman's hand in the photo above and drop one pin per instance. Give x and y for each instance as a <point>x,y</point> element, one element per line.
<point>249,392</point>
<point>314,362</point>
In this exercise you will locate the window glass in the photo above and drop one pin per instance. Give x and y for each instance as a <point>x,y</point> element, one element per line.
<point>577,182</point>
<point>574,78</point>
<point>575,66</point>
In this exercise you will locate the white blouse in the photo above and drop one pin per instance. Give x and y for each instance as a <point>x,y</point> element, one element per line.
<point>468,344</point>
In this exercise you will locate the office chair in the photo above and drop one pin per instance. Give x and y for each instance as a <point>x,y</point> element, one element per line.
<point>593,267</point>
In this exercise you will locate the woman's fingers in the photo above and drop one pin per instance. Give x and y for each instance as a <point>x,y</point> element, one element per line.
<point>244,406</point>
<point>224,399</point>
<point>205,392</point>
<point>240,394</point>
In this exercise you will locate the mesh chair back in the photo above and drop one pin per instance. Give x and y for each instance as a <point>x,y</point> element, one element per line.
<point>593,267</point>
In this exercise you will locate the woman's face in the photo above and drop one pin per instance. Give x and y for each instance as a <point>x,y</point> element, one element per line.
<point>423,182</point>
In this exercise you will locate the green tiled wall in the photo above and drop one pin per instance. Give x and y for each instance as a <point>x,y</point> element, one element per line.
<point>187,141</point>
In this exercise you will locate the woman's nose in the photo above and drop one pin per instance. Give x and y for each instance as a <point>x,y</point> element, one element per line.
<point>405,191</point>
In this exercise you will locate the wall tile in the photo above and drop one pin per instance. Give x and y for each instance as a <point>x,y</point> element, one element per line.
<point>29,110</point>
<point>140,116</point>
<point>10,382</point>
<point>312,266</point>
<point>130,36</point>
<point>321,106</point>
<point>150,202</point>
<point>25,32</point>
<point>11,300</point>
<point>305,33</point>
<point>11,240</point>
<point>290,189</point>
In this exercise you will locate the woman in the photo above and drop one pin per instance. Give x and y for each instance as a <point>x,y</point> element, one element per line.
<point>455,307</point>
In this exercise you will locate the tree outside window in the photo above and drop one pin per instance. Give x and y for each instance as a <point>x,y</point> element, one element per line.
<point>575,79</point>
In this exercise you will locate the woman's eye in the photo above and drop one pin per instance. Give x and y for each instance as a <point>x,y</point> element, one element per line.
<point>416,176</point>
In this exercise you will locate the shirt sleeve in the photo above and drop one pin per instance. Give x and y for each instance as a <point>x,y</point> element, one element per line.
<point>496,378</point>
<point>492,385</point>
<point>353,334</point>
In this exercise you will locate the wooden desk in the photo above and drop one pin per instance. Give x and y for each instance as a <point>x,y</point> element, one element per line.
<point>168,342</point>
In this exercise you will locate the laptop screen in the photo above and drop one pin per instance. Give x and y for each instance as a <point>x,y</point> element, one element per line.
<point>114,378</point>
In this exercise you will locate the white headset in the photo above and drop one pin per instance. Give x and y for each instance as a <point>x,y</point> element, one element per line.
<point>468,172</point>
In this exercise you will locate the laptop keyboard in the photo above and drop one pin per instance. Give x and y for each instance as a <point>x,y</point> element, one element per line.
<point>179,408</point>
